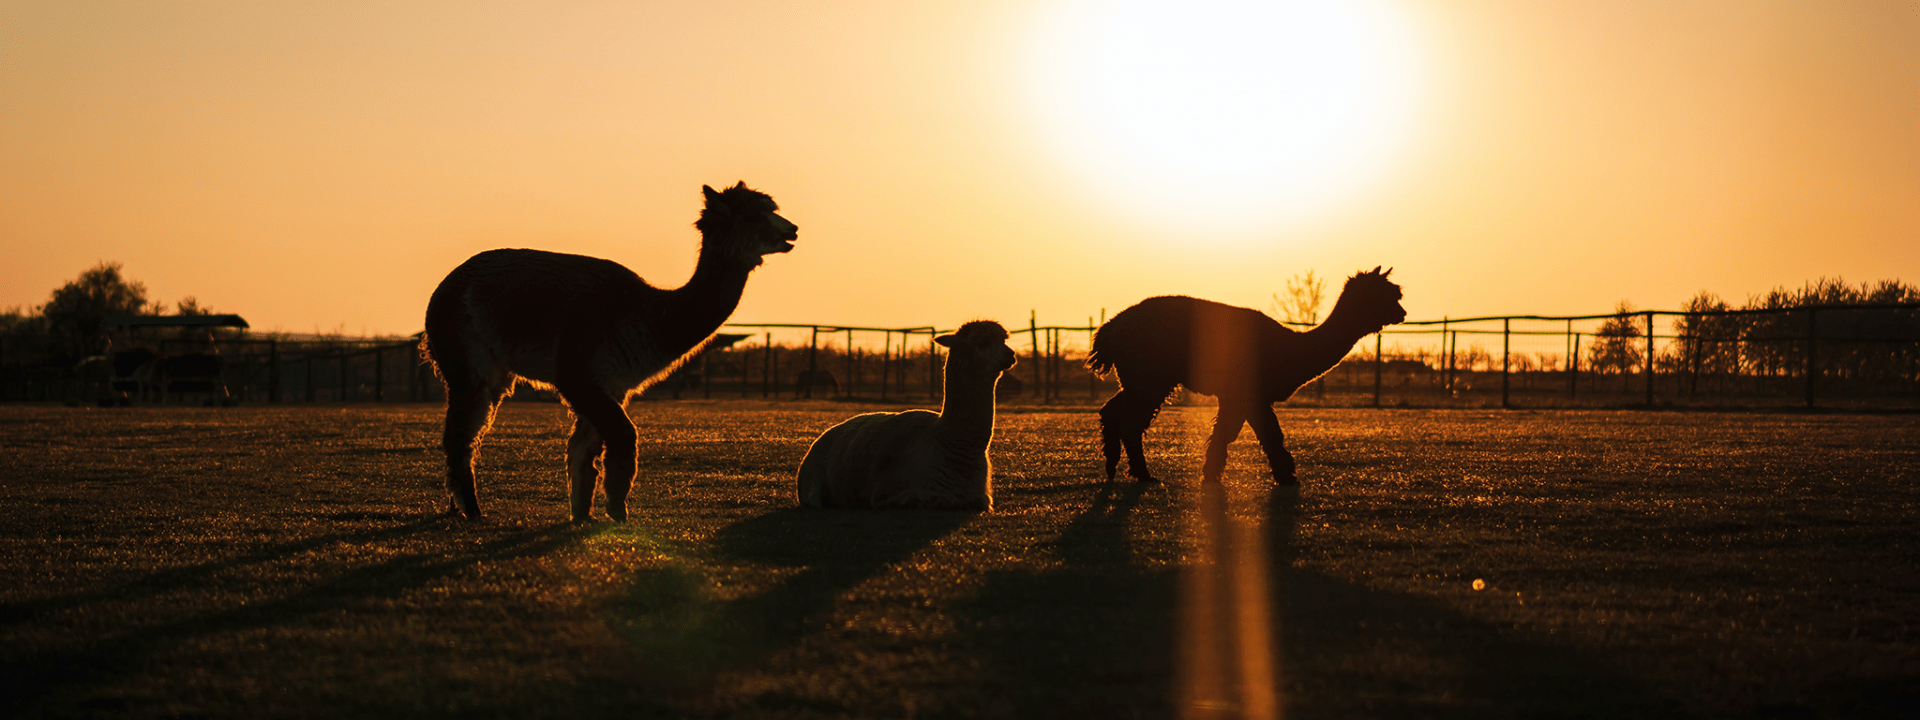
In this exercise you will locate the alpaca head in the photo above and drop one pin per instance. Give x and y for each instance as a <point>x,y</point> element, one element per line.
<point>1374,297</point>
<point>977,350</point>
<point>741,223</point>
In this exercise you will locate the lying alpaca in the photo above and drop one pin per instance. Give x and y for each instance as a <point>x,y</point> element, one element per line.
<point>1236,354</point>
<point>591,330</point>
<point>918,459</point>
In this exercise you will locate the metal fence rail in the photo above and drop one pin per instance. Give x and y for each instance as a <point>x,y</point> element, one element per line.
<point>1853,356</point>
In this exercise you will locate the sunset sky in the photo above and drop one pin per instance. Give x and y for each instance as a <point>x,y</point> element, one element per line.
<point>322,165</point>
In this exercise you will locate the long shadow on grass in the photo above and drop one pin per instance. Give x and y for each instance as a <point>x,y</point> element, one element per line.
<point>31,678</point>
<point>1093,638</point>
<point>682,637</point>
<point>171,579</point>
<point>1099,638</point>
<point>1347,650</point>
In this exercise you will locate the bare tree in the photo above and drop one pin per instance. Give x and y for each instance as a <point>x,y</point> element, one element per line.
<point>1615,348</point>
<point>1305,295</point>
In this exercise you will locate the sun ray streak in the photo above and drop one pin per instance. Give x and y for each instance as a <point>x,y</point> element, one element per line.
<point>1227,662</point>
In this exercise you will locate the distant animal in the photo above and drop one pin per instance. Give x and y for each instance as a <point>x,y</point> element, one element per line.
<point>1238,355</point>
<point>589,329</point>
<point>135,374</point>
<point>819,380</point>
<point>196,372</point>
<point>918,459</point>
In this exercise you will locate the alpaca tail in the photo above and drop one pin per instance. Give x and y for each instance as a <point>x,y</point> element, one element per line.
<point>1098,363</point>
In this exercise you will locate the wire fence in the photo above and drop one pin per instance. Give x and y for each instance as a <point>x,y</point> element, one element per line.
<point>1839,356</point>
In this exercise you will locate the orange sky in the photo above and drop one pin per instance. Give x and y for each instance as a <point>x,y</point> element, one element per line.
<point>323,165</point>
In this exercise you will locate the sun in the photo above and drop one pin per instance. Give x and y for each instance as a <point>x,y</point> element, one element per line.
<point>1225,114</point>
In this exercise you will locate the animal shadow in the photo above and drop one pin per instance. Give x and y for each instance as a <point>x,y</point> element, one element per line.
<point>682,635</point>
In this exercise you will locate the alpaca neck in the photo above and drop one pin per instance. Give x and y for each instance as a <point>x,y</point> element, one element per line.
<point>692,312</point>
<point>966,411</point>
<point>1330,341</point>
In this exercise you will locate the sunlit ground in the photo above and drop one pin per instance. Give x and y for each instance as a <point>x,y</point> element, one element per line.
<point>291,562</point>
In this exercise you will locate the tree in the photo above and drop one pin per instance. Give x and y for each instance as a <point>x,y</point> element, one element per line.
<point>1614,346</point>
<point>1305,295</point>
<point>75,311</point>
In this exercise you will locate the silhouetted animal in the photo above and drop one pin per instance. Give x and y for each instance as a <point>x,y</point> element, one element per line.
<point>589,329</point>
<point>135,373</point>
<point>1236,354</point>
<point>196,372</point>
<point>918,459</point>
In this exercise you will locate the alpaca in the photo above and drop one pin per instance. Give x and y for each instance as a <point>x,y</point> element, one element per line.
<point>1236,354</point>
<point>918,459</point>
<point>589,329</point>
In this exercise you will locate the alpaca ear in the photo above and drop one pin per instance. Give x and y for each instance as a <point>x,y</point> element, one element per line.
<point>711,195</point>
<point>1376,270</point>
<point>1385,274</point>
<point>947,340</point>
<point>742,185</point>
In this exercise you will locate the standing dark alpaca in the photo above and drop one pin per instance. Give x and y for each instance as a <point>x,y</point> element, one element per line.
<point>1238,355</point>
<point>589,329</point>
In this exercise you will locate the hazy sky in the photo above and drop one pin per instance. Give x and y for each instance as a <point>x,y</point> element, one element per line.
<point>323,165</point>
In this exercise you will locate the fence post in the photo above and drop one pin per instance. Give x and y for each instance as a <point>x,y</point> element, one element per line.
<point>1573,367</point>
<point>1093,381</point>
<point>1453,350</point>
<point>345,373</point>
<point>379,373</point>
<point>1033,351</point>
<point>813,356</point>
<point>311,392</point>
<point>1379,365</point>
<point>1506,357</point>
<point>1649,359</point>
<point>853,381</point>
<point>1057,366</point>
<point>1812,324</point>
<point>766,370</point>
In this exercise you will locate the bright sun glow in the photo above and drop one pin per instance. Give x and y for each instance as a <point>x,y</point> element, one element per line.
<point>1226,114</point>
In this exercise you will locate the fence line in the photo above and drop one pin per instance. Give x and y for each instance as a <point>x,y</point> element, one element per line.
<point>1853,355</point>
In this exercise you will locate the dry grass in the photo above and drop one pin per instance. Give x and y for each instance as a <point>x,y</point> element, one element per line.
<point>293,562</point>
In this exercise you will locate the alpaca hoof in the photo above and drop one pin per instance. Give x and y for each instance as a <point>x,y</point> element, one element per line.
<point>1286,481</point>
<point>617,513</point>
<point>1147,478</point>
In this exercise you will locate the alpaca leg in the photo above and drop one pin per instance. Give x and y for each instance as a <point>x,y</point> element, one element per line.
<point>621,464</point>
<point>1226,427</point>
<point>1123,424</point>
<point>469,414</point>
<point>1110,414</point>
<point>609,421</point>
<point>1266,427</point>
<point>584,448</point>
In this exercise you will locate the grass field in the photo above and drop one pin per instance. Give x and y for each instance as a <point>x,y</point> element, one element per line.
<point>294,562</point>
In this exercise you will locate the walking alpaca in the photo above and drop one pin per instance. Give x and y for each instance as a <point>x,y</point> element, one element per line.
<point>918,459</point>
<point>591,330</point>
<point>1236,354</point>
